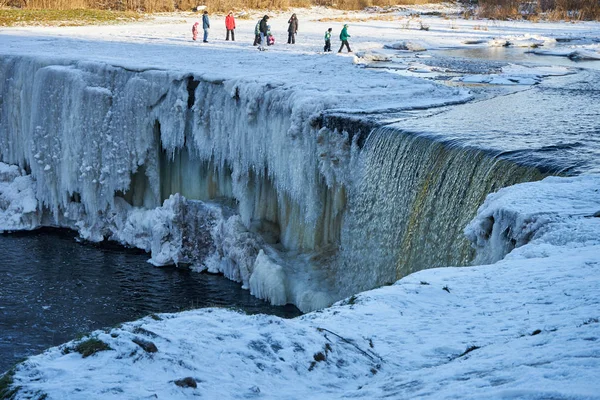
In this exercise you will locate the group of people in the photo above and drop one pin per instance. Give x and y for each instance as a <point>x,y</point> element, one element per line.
<point>229,25</point>
<point>344,35</point>
<point>262,32</point>
<point>263,35</point>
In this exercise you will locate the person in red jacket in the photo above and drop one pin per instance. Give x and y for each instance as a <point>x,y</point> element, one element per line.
<point>230,25</point>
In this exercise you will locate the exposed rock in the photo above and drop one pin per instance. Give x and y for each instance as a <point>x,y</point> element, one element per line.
<point>147,345</point>
<point>410,46</point>
<point>369,56</point>
<point>580,55</point>
<point>186,382</point>
<point>474,41</point>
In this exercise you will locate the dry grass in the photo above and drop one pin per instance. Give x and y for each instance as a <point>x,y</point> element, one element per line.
<point>494,9</point>
<point>91,347</point>
<point>361,4</point>
<point>18,17</point>
<point>148,6</point>
<point>499,9</point>
<point>359,19</point>
<point>540,9</point>
<point>212,5</point>
<point>413,20</point>
<point>575,10</point>
<point>154,5</point>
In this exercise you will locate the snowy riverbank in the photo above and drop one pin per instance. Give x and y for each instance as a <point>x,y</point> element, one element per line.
<point>524,327</point>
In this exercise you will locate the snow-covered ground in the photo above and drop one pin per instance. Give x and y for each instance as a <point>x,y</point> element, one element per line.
<point>167,42</point>
<point>524,327</point>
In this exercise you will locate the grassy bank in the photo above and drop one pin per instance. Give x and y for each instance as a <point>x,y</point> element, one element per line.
<point>27,17</point>
<point>555,10</point>
<point>85,12</point>
<point>188,5</point>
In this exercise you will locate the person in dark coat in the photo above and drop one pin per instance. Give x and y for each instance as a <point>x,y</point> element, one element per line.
<point>263,29</point>
<point>292,29</point>
<point>230,26</point>
<point>205,26</point>
<point>344,38</point>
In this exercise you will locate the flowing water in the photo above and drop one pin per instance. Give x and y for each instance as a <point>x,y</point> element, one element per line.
<point>53,289</point>
<point>422,178</point>
<point>553,125</point>
<point>516,55</point>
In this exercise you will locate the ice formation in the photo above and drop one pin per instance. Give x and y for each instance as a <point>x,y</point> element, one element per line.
<point>247,178</point>
<point>18,205</point>
<point>537,213</point>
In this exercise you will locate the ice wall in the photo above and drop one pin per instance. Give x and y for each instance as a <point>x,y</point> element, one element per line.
<point>106,146</point>
<point>239,177</point>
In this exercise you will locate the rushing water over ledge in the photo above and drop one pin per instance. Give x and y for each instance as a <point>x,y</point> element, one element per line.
<point>53,289</point>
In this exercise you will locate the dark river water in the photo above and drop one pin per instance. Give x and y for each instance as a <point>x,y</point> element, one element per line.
<point>53,289</point>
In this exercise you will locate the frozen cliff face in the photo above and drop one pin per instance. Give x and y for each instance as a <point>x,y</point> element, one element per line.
<point>105,146</point>
<point>242,177</point>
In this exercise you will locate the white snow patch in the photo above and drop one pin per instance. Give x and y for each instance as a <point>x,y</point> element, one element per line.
<point>519,41</point>
<point>406,45</point>
<point>556,211</point>
<point>514,74</point>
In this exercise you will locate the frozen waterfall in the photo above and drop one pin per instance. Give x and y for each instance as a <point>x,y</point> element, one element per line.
<point>237,177</point>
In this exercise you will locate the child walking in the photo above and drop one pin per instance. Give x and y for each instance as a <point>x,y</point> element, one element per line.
<point>257,33</point>
<point>195,31</point>
<point>327,40</point>
<point>270,37</point>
